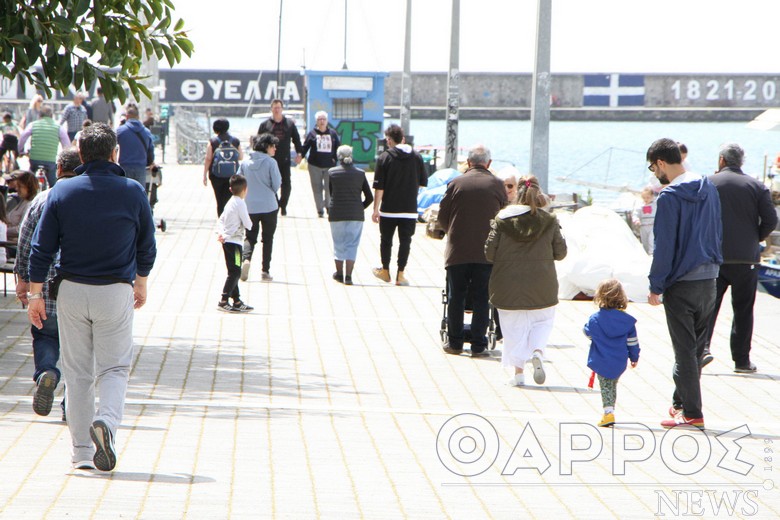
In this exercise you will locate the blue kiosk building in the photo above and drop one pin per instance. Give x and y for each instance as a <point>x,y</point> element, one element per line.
<point>355,103</point>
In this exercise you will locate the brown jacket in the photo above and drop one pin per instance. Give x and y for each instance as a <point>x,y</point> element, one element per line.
<point>472,200</point>
<point>523,248</point>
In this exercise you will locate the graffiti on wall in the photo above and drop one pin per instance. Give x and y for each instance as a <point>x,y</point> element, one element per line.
<point>361,136</point>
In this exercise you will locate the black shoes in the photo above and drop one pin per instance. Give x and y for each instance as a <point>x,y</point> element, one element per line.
<point>44,392</point>
<point>339,277</point>
<point>706,358</point>
<point>750,368</point>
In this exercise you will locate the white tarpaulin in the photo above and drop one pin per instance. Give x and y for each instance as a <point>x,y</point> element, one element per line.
<point>601,245</point>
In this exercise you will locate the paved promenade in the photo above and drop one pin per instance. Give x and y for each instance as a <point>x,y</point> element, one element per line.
<point>327,402</point>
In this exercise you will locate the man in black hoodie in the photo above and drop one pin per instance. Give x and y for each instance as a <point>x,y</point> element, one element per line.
<point>398,176</point>
<point>748,218</point>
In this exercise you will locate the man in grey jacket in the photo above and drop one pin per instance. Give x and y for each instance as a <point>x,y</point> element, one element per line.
<point>748,217</point>
<point>470,203</point>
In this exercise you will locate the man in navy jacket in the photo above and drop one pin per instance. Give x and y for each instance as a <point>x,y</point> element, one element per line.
<point>102,224</point>
<point>136,147</point>
<point>686,260</point>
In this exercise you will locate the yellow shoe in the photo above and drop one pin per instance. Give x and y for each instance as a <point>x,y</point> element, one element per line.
<point>400,279</point>
<point>608,420</point>
<point>382,274</point>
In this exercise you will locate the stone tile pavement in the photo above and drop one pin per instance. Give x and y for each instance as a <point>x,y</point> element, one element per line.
<point>336,402</point>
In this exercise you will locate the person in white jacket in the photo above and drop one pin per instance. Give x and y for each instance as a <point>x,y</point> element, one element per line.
<point>232,222</point>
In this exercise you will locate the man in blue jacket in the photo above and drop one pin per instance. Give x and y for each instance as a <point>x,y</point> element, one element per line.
<point>136,148</point>
<point>685,265</point>
<point>102,224</point>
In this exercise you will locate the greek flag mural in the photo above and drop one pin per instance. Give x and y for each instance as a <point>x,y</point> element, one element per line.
<point>613,90</point>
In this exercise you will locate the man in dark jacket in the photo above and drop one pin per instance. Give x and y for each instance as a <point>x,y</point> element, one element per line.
<point>470,203</point>
<point>685,264</point>
<point>283,129</point>
<point>398,177</point>
<point>748,218</point>
<point>136,147</point>
<point>102,225</point>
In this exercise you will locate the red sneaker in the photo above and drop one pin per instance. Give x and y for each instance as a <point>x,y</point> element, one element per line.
<point>674,412</point>
<point>684,422</point>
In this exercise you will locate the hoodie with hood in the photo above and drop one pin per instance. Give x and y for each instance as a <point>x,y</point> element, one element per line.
<point>523,247</point>
<point>687,233</point>
<point>613,341</point>
<point>399,174</point>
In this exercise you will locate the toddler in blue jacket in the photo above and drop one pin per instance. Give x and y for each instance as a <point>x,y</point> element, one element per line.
<point>612,332</point>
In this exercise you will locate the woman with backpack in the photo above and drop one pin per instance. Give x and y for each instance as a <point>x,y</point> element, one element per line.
<point>223,155</point>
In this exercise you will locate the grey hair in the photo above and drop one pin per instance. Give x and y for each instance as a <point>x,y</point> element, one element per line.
<point>479,156</point>
<point>344,154</point>
<point>733,155</point>
<point>46,111</point>
<point>320,113</point>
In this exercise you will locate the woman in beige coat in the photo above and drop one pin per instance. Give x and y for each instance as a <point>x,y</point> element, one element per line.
<point>523,244</point>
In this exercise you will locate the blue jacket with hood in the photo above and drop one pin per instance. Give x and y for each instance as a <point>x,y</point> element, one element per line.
<point>613,341</point>
<point>688,233</point>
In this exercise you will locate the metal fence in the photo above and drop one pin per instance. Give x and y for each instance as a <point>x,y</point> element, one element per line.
<point>192,136</point>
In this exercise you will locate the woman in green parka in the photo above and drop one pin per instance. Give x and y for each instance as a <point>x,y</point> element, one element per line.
<point>523,244</point>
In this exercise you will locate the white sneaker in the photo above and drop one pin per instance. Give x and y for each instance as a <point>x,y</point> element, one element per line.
<point>539,375</point>
<point>517,380</point>
<point>265,277</point>
<point>245,270</point>
<point>84,464</point>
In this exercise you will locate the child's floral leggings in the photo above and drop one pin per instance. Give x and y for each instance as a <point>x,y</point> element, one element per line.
<point>608,391</point>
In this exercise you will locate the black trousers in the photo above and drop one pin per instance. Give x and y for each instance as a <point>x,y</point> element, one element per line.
<point>221,192</point>
<point>284,169</point>
<point>688,307</point>
<point>233,264</point>
<point>743,280</point>
<point>463,280</point>
<point>268,223</point>
<point>387,227</point>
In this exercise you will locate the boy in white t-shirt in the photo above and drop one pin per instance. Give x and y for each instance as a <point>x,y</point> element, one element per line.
<point>232,223</point>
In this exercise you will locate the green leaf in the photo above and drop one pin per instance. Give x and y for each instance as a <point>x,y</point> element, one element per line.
<point>81,8</point>
<point>179,25</point>
<point>146,92</point>
<point>169,56</point>
<point>185,45</point>
<point>157,7</point>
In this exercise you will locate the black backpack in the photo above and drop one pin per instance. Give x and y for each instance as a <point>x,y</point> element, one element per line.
<point>225,163</point>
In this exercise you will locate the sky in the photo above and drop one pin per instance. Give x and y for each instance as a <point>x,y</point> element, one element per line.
<point>643,36</point>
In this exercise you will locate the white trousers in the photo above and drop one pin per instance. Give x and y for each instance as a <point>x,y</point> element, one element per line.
<point>524,332</point>
<point>96,347</point>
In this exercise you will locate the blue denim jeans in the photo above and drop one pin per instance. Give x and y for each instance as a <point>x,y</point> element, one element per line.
<point>688,307</point>
<point>468,280</point>
<point>46,347</point>
<point>136,172</point>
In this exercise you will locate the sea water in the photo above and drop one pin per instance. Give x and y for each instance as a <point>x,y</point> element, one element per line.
<point>604,152</point>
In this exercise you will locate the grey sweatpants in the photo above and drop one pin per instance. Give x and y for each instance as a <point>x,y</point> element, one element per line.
<point>96,344</point>
<point>320,187</point>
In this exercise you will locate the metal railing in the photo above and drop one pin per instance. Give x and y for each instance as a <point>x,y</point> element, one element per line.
<point>192,136</point>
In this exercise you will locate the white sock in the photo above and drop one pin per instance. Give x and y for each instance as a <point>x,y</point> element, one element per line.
<point>609,409</point>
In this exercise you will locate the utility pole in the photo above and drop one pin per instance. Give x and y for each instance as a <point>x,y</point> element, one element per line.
<point>540,96</point>
<point>406,78</point>
<point>279,54</point>
<point>453,92</point>
<point>344,67</point>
